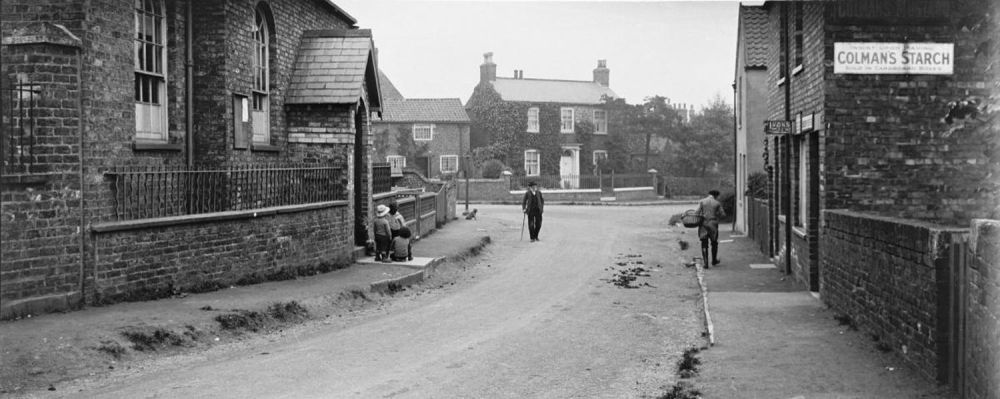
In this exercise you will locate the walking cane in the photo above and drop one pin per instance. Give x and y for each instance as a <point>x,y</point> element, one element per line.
<point>522,225</point>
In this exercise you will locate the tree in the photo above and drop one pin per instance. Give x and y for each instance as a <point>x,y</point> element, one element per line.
<point>639,124</point>
<point>706,145</point>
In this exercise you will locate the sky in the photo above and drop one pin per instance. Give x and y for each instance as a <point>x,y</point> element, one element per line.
<point>684,51</point>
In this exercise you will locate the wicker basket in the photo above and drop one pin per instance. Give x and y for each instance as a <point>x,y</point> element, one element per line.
<point>691,218</point>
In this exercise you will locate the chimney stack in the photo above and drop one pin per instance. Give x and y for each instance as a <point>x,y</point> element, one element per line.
<point>602,75</point>
<point>488,70</point>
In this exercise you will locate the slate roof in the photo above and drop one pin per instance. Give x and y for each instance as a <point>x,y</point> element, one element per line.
<point>551,90</point>
<point>334,67</point>
<point>389,91</point>
<point>753,31</point>
<point>437,110</point>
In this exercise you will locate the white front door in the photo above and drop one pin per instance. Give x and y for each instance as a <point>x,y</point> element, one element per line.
<point>569,168</point>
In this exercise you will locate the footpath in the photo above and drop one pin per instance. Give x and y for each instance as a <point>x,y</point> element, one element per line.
<point>774,339</point>
<point>39,352</point>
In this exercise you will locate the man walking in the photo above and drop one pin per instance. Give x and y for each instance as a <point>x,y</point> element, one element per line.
<point>711,210</point>
<point>532,205</point>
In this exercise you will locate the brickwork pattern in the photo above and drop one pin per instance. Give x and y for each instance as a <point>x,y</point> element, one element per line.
<point>47,248</point>
<point>133,264</point>
<point>887,150</point>
<point>449,139</point>
<point>982,357</point>
<point>883,273</point>
<point>40,208</point>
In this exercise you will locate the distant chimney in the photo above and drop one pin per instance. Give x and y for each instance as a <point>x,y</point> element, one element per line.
<point>602,74</point>
<point>488,70</point>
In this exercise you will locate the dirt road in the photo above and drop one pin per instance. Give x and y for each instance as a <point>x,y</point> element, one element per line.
<point>531,320</point>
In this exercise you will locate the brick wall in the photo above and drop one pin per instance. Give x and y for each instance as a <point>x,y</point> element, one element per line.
<point>888,150</point>
<point>223,66</point>
<point>982,357</point>
<point>40,207</point>
<point>42,258</point>
<point>485,189</point>
<point>156,261</point>
<point>885,273</point>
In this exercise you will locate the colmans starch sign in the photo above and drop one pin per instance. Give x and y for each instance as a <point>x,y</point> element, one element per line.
<point>894,58</point>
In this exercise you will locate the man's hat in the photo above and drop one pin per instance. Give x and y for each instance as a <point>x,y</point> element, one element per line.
<point>382,210</point>
<point>531,183</point>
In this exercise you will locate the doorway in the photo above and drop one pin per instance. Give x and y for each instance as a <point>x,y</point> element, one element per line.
<point>360,183</point>
<point>569,168</point>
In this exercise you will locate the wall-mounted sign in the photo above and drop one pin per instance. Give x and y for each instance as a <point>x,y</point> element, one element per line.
<point>894,58</point>
<point>805,122</point>
<point>777,127</point>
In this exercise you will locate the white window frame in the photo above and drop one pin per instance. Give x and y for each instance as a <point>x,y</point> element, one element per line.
<point>600,124</point>
<point>421,126</point>
<point>261,100</point>
<point>150,53</point>
<point>396,159</point>
<point>536,162</point>
<point>441,163</point>
<point>803,178</point>
<point>533,122</point>
<point>562,120</point>
<point>594,155</point>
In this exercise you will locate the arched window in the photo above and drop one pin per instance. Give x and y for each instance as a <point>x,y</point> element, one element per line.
<point>262,77</point>
<point>150,63</point>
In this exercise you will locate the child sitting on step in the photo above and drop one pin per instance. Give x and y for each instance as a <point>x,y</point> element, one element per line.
<point>402,250</point>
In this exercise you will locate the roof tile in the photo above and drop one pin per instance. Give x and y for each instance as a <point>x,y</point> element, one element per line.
<point>552,91</point>
<point>329,70</point>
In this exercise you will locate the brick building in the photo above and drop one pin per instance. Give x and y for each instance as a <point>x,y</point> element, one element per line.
<point>428,135</point>
<point>156,146</point>
<point>750,103</point>
<point>535,125</point>
<point>890,159</point>
<point>867,141</point>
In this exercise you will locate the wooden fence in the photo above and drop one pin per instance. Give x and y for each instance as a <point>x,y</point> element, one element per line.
<point>758,224</point>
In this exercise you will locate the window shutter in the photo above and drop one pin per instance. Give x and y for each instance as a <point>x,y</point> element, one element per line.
<point>242,125</point>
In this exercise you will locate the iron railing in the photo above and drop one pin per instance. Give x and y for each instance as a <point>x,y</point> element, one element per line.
<point>18,103</point>
<point>568,182</point>
<point>150,192</point>
<point>381,178</point>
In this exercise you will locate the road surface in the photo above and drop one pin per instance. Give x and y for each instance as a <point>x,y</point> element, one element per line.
<point>530,320</point>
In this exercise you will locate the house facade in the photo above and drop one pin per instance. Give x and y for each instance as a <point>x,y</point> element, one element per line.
<point>428,135</point>
<point>750,85</point>
<point>154,147</point>
<point>882,134</point>
<point>542,127</point>
<point>864,140</point>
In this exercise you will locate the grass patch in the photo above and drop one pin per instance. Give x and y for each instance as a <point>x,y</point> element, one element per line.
<point>152,338</point>
<point>112,348</point>
<point>687,367</point>
<point>254,321</point>
<point>354,293</point>
<point>473,251</point>
<point>682,390</point>
<point>288,311</point>
<point>241,320</point>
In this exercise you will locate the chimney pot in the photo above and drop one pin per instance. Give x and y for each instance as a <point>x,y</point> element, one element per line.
<point>602,75</point>
<point>488,70</point>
